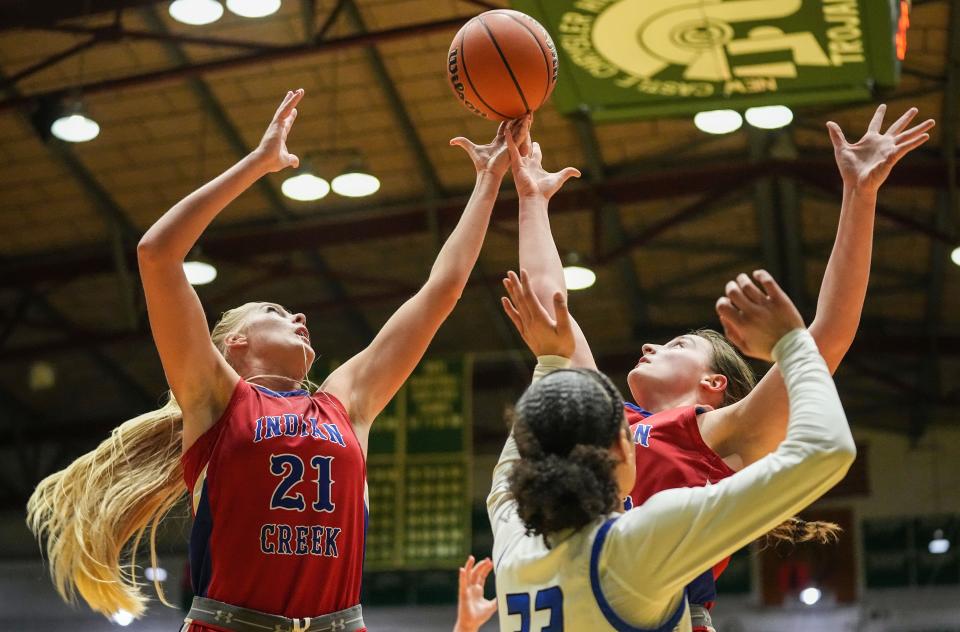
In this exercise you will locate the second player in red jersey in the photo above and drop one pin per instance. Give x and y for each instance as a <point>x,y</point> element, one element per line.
<point>738,424</point>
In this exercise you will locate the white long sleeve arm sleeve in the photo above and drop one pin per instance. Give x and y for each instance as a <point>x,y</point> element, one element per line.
<point>501,505</point>
<point>655,550</point>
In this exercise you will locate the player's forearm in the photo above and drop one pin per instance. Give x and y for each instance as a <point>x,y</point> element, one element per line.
<point>177,230</point>
<point>538,251</point>
<point>459,253</point>
<point>844,286</point>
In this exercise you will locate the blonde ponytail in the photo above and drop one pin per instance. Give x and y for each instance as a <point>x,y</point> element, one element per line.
<point>795,531</point>
<point>94,514</point>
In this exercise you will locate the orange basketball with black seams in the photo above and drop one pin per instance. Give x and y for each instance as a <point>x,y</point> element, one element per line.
<point>502,64</point>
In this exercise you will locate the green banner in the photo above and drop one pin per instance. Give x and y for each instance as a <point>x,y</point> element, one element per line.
<point>419,471</point>
<point>625,59</point>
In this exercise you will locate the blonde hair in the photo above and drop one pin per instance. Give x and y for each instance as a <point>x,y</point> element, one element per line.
<point>95,513</point>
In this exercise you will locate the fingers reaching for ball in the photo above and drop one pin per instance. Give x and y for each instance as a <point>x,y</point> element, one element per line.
<point>756,313</point>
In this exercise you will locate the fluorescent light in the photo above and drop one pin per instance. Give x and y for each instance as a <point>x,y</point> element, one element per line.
<point>305,187</point>
<point>199,273</point>
<point>578,277</point>
<point>718,121</point>
<point>196,12</point>
<point>75,128</point>
<point>155,573</point>
<point>955,256</point>
<point>810,595</point>
<point>939,544</point>
<point>122,617</point>
<point>253,8</point>
<point>356,184</point>
<point>769,116</point>
<point>41,376</point>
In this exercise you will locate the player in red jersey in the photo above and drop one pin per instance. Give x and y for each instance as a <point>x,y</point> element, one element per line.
<point>276,474</point>
<point>698,417</point>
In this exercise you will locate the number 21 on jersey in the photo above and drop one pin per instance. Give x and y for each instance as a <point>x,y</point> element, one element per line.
<point>290,469</point>
<point>549,599</point>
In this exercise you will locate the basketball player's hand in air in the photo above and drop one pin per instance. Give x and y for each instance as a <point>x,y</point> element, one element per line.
<point>272,151</point>
<point>473,610</point>
<point>866,164</point>
<point>493,158</point>
<point>529,175</point>
<point>543,335</point>
<point>756,314</point>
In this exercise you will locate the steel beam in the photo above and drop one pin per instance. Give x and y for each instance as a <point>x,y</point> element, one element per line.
<point>280,54</point>
<point>610,232</point>
<point>231,134</point>
<point>122,230</point>
<point>947,221</point>
<point>104,34</point>
<point>29,13</point>
<point>425,168</point>
<point>406,217</point>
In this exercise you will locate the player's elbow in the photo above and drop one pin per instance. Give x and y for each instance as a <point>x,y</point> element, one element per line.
<point>444,292</point>
<point>151,251</point>
<point>841,451</point>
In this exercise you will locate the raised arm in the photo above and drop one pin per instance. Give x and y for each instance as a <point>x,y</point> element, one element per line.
<point>755,426</point>
<point>368,381</point>
<point>538,251</point>
<point>651,553</point>
<point>200,378</point>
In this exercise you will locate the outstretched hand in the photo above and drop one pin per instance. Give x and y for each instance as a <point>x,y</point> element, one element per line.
<point>755,319</point>
<point>473,610</point>
<point>493,157</point>
<point>272,150</point>
<point>529,176</point>
<point>543,334</point>
<point>867,163</point>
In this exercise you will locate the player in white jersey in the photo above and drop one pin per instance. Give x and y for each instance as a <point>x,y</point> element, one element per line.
<point>564,558</point>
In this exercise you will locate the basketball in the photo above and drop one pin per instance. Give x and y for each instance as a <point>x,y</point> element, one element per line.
<point>502,64</point>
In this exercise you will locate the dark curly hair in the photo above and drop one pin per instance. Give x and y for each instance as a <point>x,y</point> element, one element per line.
<point>564,426</point>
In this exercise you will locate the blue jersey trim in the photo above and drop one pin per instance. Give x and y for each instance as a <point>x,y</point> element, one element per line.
<point>612,617</point>
<point>703,589</point>
<point>366,522</point>
<point>295,393</point>
<point>201,562</point>
<point>641,411</point>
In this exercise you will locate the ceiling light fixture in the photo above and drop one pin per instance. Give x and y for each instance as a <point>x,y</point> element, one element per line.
<point>73,126</point>
<point>355,182</point>
<point>199,273</point>
<point>196,12</point>
<point>718,121</point>
<point>253,8</point>
<point>576,275</point>
<point>305,187</point>
<point>769,116</point>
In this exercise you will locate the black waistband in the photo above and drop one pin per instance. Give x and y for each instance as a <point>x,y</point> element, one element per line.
<point>239,619</point>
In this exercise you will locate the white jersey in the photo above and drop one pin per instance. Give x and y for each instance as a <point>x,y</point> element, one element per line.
<point>628,571</point>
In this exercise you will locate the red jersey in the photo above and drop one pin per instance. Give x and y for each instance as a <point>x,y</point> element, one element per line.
<point>278,495</point>
<point>671,453</point>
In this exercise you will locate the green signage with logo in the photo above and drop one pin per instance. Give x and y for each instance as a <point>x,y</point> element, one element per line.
<point>624,59</point>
